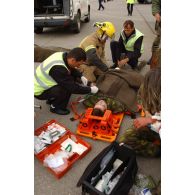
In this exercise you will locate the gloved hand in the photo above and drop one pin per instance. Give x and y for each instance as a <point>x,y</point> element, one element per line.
<point>94,89</point>
<point>84,80</point>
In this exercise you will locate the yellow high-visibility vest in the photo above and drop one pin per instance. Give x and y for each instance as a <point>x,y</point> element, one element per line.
<point>42,79</point>
<point>131,1</point>
<point>129,45</point>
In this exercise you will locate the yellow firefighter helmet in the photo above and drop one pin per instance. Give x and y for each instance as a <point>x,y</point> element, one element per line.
<point>106,28</point>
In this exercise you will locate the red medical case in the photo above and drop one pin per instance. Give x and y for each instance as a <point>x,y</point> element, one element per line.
<point>52,148</point>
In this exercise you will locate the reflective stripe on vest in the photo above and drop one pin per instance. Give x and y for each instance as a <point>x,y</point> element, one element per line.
<point>129,45</point>
<point>89,47</point>
<point>89,42</point>
<point>42,79</point>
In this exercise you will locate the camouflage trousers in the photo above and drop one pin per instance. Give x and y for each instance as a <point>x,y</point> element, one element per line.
<point>143,141</point>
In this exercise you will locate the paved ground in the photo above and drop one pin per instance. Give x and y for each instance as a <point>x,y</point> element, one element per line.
<point>115,11</point>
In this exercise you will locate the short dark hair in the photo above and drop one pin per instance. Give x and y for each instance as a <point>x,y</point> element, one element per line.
<point>97,112</point>
<point>128,22</point>
<point>78,54</point>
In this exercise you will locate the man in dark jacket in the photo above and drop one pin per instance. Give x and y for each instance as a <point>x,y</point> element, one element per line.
<point>129,47</point>
<point>55,77</point>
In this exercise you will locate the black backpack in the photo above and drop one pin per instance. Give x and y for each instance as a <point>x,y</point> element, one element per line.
<point>126,155</point>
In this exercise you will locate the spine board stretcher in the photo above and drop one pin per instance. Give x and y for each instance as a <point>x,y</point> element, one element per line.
<point>103,128</point>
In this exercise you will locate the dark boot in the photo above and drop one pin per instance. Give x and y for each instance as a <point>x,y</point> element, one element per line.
<point>59,111</point>
<point>50,100</point>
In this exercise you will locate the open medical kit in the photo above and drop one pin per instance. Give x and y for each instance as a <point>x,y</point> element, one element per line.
<point>111,172</point>
<point>58,148</point>
<point>103,128</point>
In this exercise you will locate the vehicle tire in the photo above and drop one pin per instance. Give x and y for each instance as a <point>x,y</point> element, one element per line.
<point>76,28</point>
<point>38,30</point>
<point>87,19</point>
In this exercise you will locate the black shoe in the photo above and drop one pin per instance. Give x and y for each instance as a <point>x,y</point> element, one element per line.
<point>59,111</point>
<point>50,100</point>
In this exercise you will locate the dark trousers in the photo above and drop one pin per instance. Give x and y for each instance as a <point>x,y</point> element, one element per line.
<point>118,52</point>
<point>130,9</point>
<point>100,5</point>
<point>59,95</point>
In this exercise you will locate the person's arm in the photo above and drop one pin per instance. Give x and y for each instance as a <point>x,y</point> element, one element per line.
<point>95,60</point>
<point>122,62</point>
<point>121,44</point>
<point>103,57</point>
<point>153,122</point>
<point>75,73</point>
<point>64,78</point>
<point>142,122</point>
<point>137,49</point>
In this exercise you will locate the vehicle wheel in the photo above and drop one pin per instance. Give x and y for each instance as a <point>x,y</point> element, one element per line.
<point>38,30</point>
<point>77,24</point>
<point>87,19</point>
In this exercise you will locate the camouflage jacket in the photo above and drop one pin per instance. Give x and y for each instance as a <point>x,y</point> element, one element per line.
<point>156,7</point>
<point>112,104</point>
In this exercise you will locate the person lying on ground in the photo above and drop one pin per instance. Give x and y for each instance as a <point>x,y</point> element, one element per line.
<point>118,88</point>
<point>42,53</point>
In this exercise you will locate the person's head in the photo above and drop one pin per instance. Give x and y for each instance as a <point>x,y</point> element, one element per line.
<point>128,27</point>
<point>105,30</point>
<point>99,108</point>
<point>150,91</point>
<point>76,57</point>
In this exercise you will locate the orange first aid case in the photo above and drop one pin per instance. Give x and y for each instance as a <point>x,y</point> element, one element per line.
<point>52,148</point>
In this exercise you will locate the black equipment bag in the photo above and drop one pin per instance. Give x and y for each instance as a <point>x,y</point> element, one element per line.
<point>121,152</point>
